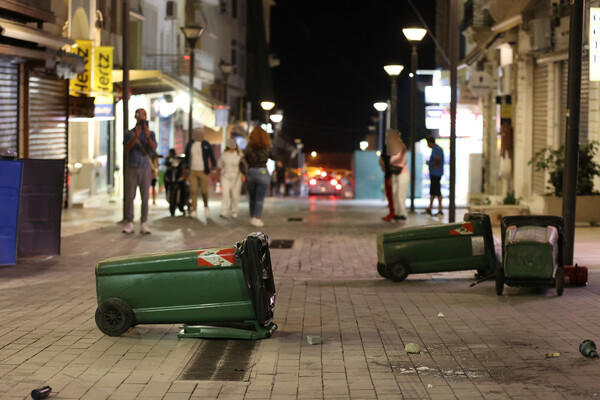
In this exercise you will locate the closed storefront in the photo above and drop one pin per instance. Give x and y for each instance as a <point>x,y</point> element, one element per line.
<point>9,106</point>
<point>540,121</point>
<point>585,99</point>
<point>47,116</point>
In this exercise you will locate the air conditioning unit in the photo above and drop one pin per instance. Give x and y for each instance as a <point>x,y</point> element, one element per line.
<point>541,34</point>
<point>171,10</point>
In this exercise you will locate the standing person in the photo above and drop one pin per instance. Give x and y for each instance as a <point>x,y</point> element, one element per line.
<point>384,163</point>
<point>154,176</point>
<point>279,179</point>
<point>400,176</point>
<point>231,178</point>
<point>257,153</point>
<point>199,161</point>
<point>436,171</point>
<point>139,143</point>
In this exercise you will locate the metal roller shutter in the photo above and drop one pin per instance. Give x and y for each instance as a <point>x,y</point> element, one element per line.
<point>540,121</point>
<point>48,120</point>
<point>585,99</point>
<point>47,117</point>
<point>564,84</point>
<point>9,107</point>
<point>584,108</point>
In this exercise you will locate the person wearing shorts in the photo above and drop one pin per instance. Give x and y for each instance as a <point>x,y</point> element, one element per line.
<point>436,171</point>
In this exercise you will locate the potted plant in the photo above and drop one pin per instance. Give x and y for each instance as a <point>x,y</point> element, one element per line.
<point>552,161</point>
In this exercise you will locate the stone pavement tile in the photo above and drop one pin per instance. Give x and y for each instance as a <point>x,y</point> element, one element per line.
<point>177,396</point>
<point>75,390</point>
<point>157,389</point>
<point>362,394</point>
<point>310,395</point>
<point>96,393</point>
<point>179,386</point>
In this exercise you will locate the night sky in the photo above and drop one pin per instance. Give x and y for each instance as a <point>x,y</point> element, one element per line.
<point>332,55</point>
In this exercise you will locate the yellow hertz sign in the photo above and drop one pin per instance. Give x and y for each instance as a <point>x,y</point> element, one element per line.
<point>96,78</point>
<point>82,83</point>
<point>103,66</point>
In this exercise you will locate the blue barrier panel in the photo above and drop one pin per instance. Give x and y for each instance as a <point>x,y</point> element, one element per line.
<point>10,186</point>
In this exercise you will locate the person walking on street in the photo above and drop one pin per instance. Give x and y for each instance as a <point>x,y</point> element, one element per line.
<point>436,171</point>
<point>231,178</point>
<point>257,153</point>
<point>139,143</point>
<point>199,161</point>
<point>384,163</point>
<point>400,176</point>
<point>154,176</point>
<point>279,179</point>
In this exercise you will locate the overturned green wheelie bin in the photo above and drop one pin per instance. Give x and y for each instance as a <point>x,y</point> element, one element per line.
<point>228,286</point>
<point>532,252</point>
<point>437,248</point>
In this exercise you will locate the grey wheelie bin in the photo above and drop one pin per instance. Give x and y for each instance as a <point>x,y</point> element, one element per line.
<point>532,252</point>
<point>437,248</point>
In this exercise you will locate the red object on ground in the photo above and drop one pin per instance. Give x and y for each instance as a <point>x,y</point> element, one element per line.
<point>576,275</point>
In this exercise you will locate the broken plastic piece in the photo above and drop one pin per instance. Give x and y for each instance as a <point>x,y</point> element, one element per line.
<point>588,349</point>
<point>412,348</point>
<point>440,315</point>
<point>313,339</point>
<point>41,393</point>
<point>552,355</point>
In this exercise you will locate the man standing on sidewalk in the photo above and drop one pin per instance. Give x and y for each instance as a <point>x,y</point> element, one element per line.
<point>200,161</point>
<point>139,143</point>
<point>436,171</point>
<point>384,163</point>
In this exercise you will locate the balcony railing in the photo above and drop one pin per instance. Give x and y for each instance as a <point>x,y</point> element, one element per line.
<point>178,65</point>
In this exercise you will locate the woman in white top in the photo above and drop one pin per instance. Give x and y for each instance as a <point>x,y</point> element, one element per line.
<point>231,178</point>
<point>400,174</point>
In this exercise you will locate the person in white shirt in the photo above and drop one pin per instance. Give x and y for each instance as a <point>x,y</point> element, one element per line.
<point>400,174</point>
<point>199,161</point>
<point>231,178</point>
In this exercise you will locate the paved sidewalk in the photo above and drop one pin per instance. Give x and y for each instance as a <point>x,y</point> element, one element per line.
<point>485,346</point>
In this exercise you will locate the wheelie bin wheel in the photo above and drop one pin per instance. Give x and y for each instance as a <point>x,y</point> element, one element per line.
<point>381,270</point>
<point>397,271</point>
<point>560,281</point>
<point>114,317</point>
<point>499,280</point>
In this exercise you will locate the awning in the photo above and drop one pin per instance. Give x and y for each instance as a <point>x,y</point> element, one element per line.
<point>26,33</point>
<point>481,46</point>
<point>513,17</point>
<point>155,81</point>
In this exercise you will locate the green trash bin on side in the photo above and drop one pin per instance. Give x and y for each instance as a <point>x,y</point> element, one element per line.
<point>223,285</point>
<point>437,248</point>
<point>532,248</point>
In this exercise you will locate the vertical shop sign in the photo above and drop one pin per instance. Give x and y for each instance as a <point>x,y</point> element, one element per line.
<point>594,43</point>
<point>81,85</point>
<point>103,88</point>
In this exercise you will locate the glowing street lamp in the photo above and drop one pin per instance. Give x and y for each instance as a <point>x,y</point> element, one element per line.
<point>192,34</point>
<point>267,106</point>
<point>381,107</point>
<point>393,71</point>
<point>414,36</point>
<point>313,154</point>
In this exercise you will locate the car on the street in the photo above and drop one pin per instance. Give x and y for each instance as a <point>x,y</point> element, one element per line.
<point>324,183</point>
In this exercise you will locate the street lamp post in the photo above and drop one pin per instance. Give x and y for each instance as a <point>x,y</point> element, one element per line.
<point>267,106</point>
<point>192,34</point>
<point>226,70</point>
<point>414,35</point>
<point>276,118</point>
<point>393,71</point>
<point>381,107</point>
